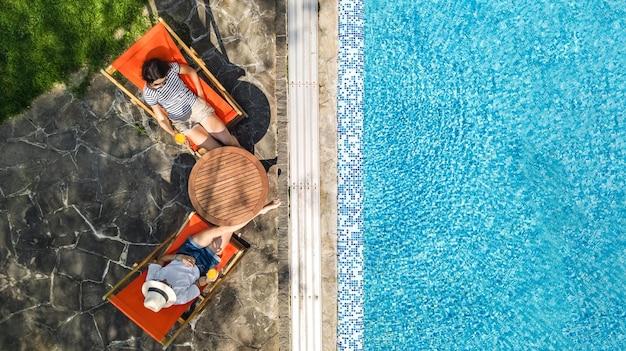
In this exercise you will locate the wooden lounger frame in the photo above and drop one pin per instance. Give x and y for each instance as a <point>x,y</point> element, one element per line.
<point>201,66</point>
<point>236,243</point>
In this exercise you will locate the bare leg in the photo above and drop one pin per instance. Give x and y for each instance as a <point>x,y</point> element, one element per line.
<point>225,238</point>
<point>207,236</point>
<point>217,129</point>
<point>269,206</point>
<point>201,138</point>
<point>218,244</point>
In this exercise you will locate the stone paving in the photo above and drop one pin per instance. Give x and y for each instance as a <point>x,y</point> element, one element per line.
<point>90,185</point>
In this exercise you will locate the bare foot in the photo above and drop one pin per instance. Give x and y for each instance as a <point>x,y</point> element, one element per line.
<point>270,206</point>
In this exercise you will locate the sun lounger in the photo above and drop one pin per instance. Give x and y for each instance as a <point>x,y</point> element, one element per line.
<point>164,326</point>
<point>161,42</point>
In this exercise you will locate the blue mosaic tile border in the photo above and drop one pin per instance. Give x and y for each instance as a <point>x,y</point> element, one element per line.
<point>350,179</point>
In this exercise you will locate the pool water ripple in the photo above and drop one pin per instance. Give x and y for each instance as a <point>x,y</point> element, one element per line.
<point>494,169</point>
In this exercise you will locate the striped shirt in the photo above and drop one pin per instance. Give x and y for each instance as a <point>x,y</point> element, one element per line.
<point>173,96</point>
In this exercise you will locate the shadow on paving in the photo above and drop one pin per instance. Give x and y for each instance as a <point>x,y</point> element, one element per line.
<point>253,128</point>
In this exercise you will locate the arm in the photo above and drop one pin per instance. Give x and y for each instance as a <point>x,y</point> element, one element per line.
<point>189,261</point>
<point>163,121</point>
<point>184,69</point>
<point>192,291</point>
<point>188,294</point>
<point>164,259</point>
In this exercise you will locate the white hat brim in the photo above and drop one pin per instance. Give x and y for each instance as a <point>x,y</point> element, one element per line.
<point>171,295</point>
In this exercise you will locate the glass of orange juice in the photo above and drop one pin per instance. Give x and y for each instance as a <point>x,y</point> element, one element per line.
<point>180,138</point>
<point>211,275</point>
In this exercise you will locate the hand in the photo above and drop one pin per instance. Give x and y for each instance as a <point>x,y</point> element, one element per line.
<point>202,281</point>
<point>187,260</point>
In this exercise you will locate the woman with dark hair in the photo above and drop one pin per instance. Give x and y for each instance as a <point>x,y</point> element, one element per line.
<point>189,113</point>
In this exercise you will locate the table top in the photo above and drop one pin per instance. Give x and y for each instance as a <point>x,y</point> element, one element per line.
<point>228,186</point>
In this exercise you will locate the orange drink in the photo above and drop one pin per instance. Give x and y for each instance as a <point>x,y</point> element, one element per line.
<point>211,275</point>
<point>180,138</point>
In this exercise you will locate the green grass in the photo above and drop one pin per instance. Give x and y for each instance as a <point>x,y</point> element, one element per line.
<point>45,41</point>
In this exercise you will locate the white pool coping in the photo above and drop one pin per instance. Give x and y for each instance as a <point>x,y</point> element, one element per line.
<point>304,173</point>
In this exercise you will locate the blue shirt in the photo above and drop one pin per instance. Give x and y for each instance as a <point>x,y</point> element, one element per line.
<point>174,96</point>
<point>180,277</point>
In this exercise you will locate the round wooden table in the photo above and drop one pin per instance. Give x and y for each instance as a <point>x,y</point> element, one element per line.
<point>228,186</point>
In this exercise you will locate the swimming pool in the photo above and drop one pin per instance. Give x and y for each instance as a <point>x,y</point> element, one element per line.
<point>490,172</point>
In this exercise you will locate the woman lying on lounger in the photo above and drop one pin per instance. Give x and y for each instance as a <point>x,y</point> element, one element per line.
<point>179,282</point>
<point>189,113</point>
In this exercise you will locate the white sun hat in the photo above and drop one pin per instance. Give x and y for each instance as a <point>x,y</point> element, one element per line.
<point>158,295</point>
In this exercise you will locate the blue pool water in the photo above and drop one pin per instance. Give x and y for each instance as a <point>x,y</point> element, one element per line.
<point>494,175</point>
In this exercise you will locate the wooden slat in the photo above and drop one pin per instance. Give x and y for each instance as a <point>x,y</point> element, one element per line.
<point>228,186</point>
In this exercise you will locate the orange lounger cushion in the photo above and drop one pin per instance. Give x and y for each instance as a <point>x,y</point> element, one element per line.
<point>130,299</point>
<point>157,43</point>
<point>156,324</point>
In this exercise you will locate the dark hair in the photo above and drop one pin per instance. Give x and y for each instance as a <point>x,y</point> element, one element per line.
<point>154,69</point>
